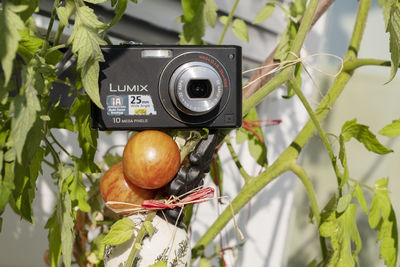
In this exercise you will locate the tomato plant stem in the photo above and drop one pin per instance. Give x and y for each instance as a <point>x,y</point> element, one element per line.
<point>235,158</point>
<point>228,22</point>
<point>138,240</point>
<point>288,157</point>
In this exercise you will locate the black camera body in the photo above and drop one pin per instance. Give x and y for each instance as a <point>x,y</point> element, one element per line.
<point>159,87</point>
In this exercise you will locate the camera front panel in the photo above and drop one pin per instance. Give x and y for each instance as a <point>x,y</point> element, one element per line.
<point>155,87</point>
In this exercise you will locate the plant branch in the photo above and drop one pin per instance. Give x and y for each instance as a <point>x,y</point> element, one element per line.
<point>269,61</point>
<point>301,173</point>
<point>289,156</point>
<point>52,18</point>
<point>138,240</point>
<point>228,22</point>
<point>318,126</point>
<point>356,63</point>
<point>235,158</point>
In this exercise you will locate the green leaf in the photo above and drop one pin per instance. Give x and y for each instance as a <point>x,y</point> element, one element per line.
<point>87,137</point>
<point>194,22</point>
<point>351,129</point>
<point>54,237</point>
<point>239,28</point>
<point>382,218</point>
<point>285,42</point>
<point>78,191</point>
<point>90,78</point>
<point>10,24</point>
<point>121,231</point>
<point>204,262</point>
<point>256,144</point>
<point>119,11</point>
<point>25,8</point>
<point>265,12</point>
<point>190,8</point>
<point>223,19</point>
<point>62,15</point>
<point>7,183</point>
<point>344,202</point>
<point>67,228</point>
<point>86,42</point>
<point>342,230</point>
<point>210,12</point>
<point>149,227</point>
<point>159,264</point>
<point>297,8</point>
<point>393,27</point>
<point>60,118</point>
<point>359,194</point>
<point>28,45</point>
<point>392,129</point>
<point>112,159</point>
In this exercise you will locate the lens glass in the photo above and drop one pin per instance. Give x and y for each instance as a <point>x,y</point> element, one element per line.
<point>199,88</point>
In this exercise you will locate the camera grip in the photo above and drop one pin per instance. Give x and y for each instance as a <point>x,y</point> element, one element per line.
<point>191,177</point>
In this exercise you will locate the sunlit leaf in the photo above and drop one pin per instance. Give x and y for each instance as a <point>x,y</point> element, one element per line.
<point>120,232</point>
<point>239,28</point>
<point>265,12</point>
<point>210,12</point>
<point>392,129</point>
<point>351,129</point>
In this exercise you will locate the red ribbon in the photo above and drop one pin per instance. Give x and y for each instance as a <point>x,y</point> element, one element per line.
<point>199,196</point>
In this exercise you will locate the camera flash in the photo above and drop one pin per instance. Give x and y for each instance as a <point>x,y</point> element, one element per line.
<point>159,53</point>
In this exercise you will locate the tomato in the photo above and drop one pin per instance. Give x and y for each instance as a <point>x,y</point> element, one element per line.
<point>114,187</point>
<point>151,159</point>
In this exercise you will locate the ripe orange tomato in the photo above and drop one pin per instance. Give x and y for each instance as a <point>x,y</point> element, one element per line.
<point>114,187</point>
<point>151,159</point>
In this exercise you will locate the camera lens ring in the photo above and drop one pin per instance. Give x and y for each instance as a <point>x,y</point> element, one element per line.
<point>179,88</point>
<point>165,77</point>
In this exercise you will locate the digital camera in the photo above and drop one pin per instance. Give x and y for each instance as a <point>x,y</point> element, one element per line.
<point>159,87</point>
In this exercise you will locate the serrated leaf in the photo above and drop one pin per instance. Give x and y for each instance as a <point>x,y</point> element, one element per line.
<point>28,45</point>
<point>54,238</point>
<point>380,205</point>
<point>78,191</point>
<point>382,218</point>
<point>149,227</point>
<point>223,19</point>
<point>393,28</point>
<point>90,78</point>
<point>392,129</point>
<point>67,229</point>
<point>86,42</point>
<point>265,12</point>
<point>119,11</point>
<point>359,194</point>
<point>210,12</point>
<point>120,232</point>
<point>10,24</point>
<point>351,129</point>
<point>62,15</point>
<point>239,28</point>
<point>342,231</point>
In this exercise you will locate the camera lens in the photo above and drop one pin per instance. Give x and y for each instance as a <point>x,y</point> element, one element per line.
<point>195,88</point>
<point>199,88</point>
